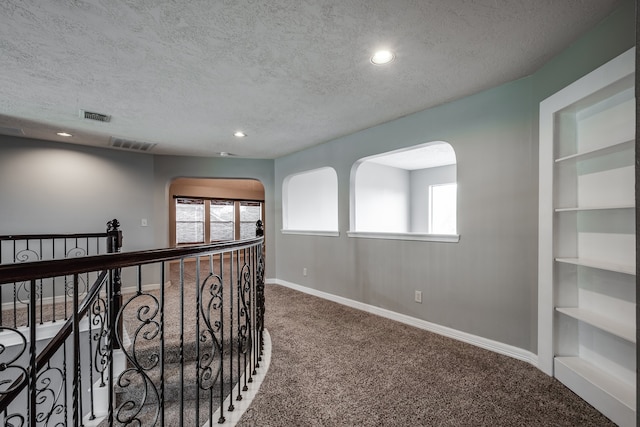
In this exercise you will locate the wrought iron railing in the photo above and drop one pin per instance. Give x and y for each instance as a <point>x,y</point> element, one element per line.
<point>191,329</point>
<point>53,295</point>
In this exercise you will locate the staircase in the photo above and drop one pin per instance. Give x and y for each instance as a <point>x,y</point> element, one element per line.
<point>169,356</point>
<point>184,396</point>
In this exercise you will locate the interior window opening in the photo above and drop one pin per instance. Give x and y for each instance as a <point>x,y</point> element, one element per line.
<point>310,202</point>
<point>406,192</point>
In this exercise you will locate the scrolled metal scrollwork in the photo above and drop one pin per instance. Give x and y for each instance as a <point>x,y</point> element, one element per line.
<point>22,290</point>
<point>27,255</point>
<point>15,420</point>
<point>101,337</point>
<point>49,394</point>
<point>260,303</point>
<point>70,288</point>
<point>148,328</point>
<point>12,375</point>
<point>260,300</point>
<point>244,326</point>
<point>129,411</point>
<point>75,252</point>
<point>211,304</point>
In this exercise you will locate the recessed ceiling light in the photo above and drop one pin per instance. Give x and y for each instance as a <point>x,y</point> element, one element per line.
<point>239,134</point>
<point>382,57</point>
<point>64,134</point>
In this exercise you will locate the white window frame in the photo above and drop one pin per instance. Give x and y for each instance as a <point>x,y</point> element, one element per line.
<point>432,206</point>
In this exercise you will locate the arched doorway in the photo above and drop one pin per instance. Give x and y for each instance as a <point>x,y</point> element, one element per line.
<point>204,210</point>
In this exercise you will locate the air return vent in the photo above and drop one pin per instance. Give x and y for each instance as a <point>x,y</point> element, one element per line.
<point>94,116</point>
<point>11,131</point>
<point>127,144</point>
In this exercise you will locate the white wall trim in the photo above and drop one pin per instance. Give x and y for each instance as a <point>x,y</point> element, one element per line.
<point>448,238</point>
<point>312,233</point>
<point>487,344</point>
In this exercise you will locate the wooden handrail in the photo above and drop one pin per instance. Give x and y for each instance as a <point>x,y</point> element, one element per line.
<point>51,236</point>
<point>108,267</point>
<point>21,272</point>
<point>45,355</point>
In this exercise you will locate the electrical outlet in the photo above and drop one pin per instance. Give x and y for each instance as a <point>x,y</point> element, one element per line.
<point>418,296</point>
<point>143,222</point>
<point>304,271</point>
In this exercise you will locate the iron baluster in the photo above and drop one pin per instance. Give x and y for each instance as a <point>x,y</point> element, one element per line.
<point>15,306</point>
<point>181,339</point>
<point>109,338</point>
<point>92,415</point>
<point>221,317</point>
<point>53,291</point>
<point>231,407</point>
<point>114,245</point>
<point>239,314</point>
<point>197,319</point>
<point>138,368</point>
<point>32,354</point>
<point>210,360</point>
<point>64,370</point>
<point>162,355</point>
<point>254,259</point>
<point>76,354</point>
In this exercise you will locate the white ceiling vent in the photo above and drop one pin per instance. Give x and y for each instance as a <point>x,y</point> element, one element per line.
<point>127,144</point>
<point>94,116</point>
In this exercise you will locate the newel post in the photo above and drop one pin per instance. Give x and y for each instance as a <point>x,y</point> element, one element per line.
<point>114,245</point>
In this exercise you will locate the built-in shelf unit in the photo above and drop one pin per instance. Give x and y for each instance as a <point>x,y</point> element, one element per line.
<point>587,269</point>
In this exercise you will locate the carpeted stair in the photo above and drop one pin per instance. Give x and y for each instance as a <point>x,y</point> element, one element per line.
<point>131,386</point>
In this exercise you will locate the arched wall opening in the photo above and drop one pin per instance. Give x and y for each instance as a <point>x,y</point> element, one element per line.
<point>411,191</point>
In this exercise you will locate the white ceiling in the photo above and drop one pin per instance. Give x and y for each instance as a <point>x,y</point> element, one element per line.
<point>186,74</point>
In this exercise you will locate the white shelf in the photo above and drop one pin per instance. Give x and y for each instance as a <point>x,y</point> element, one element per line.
<point>606,393</point>
<point>587,143</point>
<point>619,146</point>
<point>609,266</point>
<point>627,332</point>
<point>593,208</point>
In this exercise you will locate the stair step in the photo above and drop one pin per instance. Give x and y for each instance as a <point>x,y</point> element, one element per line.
<point>131,385</point>
<point>150,350</point>
<point>147,412</point>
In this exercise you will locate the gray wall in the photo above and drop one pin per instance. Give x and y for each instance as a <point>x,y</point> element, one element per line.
<point>382,198</point>
<point>48,187</point>
<point>486,284</point>
<point>168,168</point>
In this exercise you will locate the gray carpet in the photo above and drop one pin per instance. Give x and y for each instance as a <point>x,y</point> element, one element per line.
<point>335,366</point>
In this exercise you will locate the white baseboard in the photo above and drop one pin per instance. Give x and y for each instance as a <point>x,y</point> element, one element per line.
<point>495,346</point>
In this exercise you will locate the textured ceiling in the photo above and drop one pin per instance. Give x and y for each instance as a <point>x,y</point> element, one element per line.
<point>186,74</point>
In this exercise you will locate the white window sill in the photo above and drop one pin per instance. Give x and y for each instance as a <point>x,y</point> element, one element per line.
<point>448,238</point>
<point>312,233</point>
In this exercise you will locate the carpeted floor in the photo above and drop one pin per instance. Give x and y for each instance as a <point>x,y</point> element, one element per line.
<point>336,366</point>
